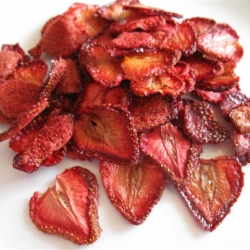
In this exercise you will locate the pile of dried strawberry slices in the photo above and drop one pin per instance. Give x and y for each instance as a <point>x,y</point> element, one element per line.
<point>136,88</point>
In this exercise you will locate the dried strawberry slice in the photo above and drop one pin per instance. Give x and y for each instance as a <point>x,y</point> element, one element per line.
<point>106,132</point>
<point>18,49</point>
<point>241,144</point>
<point>201,25</point>
<point>171,149</point>
<point>214,187</point>
<point>200,124</point>
<point>150,111</point>
<point>232,101</point>
<point>204,68</point>
<point>52,136</point>
<point>240,117</point>
<point>167,84</point>
<point>34,72</point>
<point>60,37</point>
<point>221,42</point>
<point>55,158</point>
<point>24,120</point>
<point>96,94</point>
<point>101,65</point>
<point>8,63</point>
<point>148,63</point>
<point>17,96</point>
<point>228,79</point>
<point>70,82</point>
<point>133,189</point>
<point>69,208</point>
<point>149,10</point>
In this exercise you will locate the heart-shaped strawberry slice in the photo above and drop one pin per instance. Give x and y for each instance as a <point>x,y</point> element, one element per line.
<point>69,209</point>
<point>214,187</point>
<point>133,189</point>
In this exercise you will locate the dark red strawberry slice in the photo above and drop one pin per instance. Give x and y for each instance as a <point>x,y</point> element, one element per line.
<point>200,124</point>
<point>106,132</point>
<point>95,94</point>
<point>214,187</point>
<point>101,65</point>
<point>204,68</point>
<point>55,158</point>
<point>148,63</point>
<point>171,149</point>
<point>24,120</point>
<point>201,25</point>
<point>133,189</point>
<point>60,37</point>
<point>55,134</point>
<point>150,111</point>
<point>242,147</point>
<point>225,81</point>
<point>69,208</point>
<point>240,117</point>
<point>232,101</point>
<point>221,42</point>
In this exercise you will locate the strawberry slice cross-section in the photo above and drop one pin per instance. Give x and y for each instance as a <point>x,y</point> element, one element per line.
<point>69,209</point>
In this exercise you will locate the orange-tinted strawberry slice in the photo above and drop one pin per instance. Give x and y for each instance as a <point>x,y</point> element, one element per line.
<point>221,42</point>
<point>102,67</point>
<point>69,208</point>
<point>214,187</point>
<point>171,149</point>
<point>106,132</point>
<point>150,111</point>
<point>240,117</point>
<point>55,134</point>
<point>133,189</point>
<point>241,144</point>
<point>148,63</point>
<point>200,124</point>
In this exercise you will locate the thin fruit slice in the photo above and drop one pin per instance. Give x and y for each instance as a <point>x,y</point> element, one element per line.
<point>133,189</point>
<point>106,132</point>
<point>214,187</point>
<point>55,134</point>
<point>200,124</point>
<point>171,149</point>
<point>69,208</point>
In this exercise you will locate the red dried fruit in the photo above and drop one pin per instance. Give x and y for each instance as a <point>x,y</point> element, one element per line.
<point>96,94</point>
<point>171,149</point>
<point>221,42</point>
<point>55,158</point>
<point>60,37</point>
<point>150,111</point>
<point>214,187</point>
<point>225,81</point>
<point>102,67</point>
<point>106,132</point>
<point>8,62</point>
<point>148,63</point>
<point>200,124</point>
<point>204,68</point>
<point>69,208</point>
<point>241,144</point>
<point>55,134</point>
<point>24,119</point>
<point>240,117</point>
<point>133,189</point>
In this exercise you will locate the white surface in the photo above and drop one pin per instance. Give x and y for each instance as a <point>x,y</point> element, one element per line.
<point>170,224</point>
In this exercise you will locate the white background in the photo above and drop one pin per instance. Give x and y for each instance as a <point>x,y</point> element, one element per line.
<point>170,224</point>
